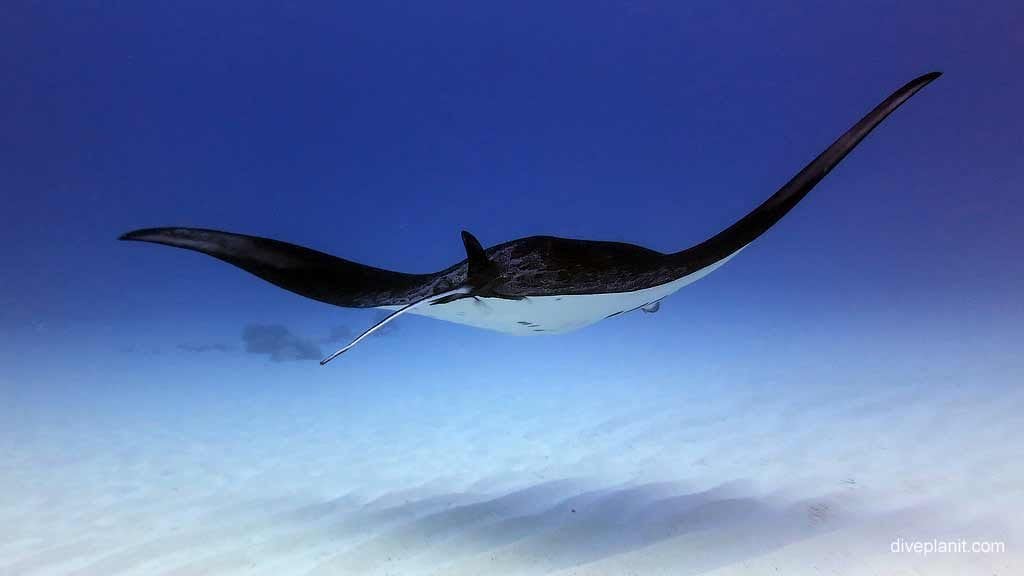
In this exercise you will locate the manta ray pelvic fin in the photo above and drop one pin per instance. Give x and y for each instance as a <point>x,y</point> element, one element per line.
<point>652,307</point>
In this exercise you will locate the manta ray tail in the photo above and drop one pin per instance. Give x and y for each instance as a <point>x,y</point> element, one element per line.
<point>478,267</point>
<point>735,237</point>
<point>392,316</point>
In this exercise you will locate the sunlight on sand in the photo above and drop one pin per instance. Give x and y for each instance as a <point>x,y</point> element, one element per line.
<point>724,481</point>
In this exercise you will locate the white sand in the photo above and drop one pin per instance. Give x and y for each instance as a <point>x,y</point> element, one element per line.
<point>601,478</point>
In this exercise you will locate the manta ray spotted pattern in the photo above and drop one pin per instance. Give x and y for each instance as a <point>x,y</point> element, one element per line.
<point>534,285</point>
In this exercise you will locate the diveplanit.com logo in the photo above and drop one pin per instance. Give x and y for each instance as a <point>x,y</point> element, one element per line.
<point>936,546</point>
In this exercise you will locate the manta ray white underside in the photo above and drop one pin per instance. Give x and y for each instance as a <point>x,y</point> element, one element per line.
<point>536,315</point>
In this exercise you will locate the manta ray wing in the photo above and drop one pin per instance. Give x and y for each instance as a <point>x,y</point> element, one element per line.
<point>305,271</point>
<point>765,216</point>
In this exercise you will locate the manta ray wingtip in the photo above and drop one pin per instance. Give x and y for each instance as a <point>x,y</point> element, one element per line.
<point>925,79</point>
<point>144,234</point>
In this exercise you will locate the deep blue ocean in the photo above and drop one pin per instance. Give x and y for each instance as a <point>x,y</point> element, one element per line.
<point>842,397</point>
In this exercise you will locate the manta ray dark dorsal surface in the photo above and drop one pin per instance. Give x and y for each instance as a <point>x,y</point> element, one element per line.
<point>539,284</point>
<point>298,269</point>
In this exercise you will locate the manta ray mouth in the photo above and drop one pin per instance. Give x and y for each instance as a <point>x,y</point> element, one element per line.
<point>556,285</point>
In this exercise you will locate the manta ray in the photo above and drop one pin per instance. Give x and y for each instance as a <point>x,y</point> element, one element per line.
<point>529,286</point>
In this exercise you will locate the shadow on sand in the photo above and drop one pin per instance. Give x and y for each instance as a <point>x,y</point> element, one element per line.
<point>560,525</point>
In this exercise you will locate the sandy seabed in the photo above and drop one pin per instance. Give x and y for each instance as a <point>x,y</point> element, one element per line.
<point>601,478</point>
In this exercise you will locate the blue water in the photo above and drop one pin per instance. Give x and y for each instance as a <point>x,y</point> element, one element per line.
<point>162,412</point>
